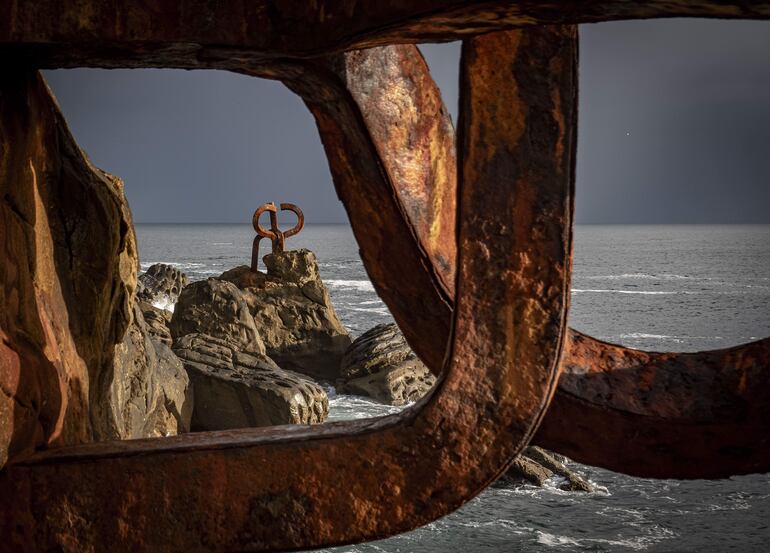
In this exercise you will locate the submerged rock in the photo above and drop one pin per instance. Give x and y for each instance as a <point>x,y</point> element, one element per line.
<point>380,364</point>
<point>161,284</point>
<point>294,314</point>
<point>536,465</point>
<point>235,389</point>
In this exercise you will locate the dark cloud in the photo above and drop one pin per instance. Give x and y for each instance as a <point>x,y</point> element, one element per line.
<point>674,128</point>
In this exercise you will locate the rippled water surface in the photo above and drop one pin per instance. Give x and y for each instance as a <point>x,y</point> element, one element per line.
<point>651,287</point>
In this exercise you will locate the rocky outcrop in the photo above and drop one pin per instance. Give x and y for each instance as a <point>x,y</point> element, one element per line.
<point>216,308</point>
<point>536,466</point>
<point>235,384</point>
<point>381,365</point>
<point>161,284</point>
<point>294,314</point>
<point>235,389</point>
<point>157,321</point>
<point>148,394</point>
<point>68,269</point>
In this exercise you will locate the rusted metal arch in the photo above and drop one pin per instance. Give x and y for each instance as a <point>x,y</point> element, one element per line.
<point>278,488</point>
<point>145,33</point>
<point>671,411</point>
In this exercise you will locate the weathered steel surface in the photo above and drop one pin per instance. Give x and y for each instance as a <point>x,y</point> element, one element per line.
<point>666,443</point>
<point>188,33</point>
<point>663,415</point>
<point>276,235</point>
<point>363,178</point>
<point>287,488</point>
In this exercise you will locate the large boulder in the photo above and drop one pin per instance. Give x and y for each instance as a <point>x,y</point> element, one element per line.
<point>294,314</point>
<point>235,389</point>
<point>161,285</point>
<point>381,365</point>
<point>147,393</point>
<point>68,270</point>
<point>216,308</point>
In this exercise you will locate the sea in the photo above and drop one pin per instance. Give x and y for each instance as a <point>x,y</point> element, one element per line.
<point>661,288</point>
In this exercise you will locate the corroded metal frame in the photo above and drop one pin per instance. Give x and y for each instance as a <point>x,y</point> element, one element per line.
<point>276,235</point>
<point>504,318</point>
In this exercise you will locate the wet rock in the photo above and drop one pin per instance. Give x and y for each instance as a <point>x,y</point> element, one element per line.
<point>235,389</point>
<point>161,284</point>
<point>294,314</point>
<point>536,465</point>
<point>157,320</point>
<point>557,464</point>
<point>216,308</point>
<point>380,364</point>
<point>147,392</point>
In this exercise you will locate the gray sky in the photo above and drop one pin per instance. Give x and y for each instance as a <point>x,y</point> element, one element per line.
<point>674,127</point>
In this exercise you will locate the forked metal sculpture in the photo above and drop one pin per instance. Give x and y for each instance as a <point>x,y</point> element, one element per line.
<point>276,235</point>
<point>485,238</point>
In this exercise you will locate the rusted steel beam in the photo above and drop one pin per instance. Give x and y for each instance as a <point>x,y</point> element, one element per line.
<point>662,415</point>
<point>364,151</point>
<point>301,487</point>
<point>609,394</point>
<point>189,33</point>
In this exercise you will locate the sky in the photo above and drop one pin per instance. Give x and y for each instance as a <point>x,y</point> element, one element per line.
<point>674,127</point>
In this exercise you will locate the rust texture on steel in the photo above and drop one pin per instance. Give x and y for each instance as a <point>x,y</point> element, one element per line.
<point>195,32</point>
<point>484,235</point>
<point>276,235</point>
<point>675,408</point>
<point>276,488</point>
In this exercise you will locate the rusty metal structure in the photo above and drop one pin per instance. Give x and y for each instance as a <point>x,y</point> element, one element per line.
<point>276,235</point>
<point>481,223</point>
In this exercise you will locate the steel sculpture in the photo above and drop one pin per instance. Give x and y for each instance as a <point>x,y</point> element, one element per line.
<point>276,235</point>
<point>485,239</point>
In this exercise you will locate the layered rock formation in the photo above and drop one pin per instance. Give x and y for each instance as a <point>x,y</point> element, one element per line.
<point>157,321</point>
<point>235,389</point>
<point>381,365</point>
<point>294,314</point>
<point>216,308</point>
<point>235,383</point>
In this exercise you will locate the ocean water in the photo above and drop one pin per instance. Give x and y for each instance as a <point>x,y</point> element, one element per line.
<point>652,287</point>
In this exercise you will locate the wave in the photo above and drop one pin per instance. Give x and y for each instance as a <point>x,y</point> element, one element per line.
<point>639,292</point>
<point>360,285</point>
<point>645,276</point>
<point>378,310</point>
<point>164,303</point>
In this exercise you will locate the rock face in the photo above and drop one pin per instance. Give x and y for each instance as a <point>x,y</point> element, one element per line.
<point>157,321</point>
<point>161,284</point>
<point>380,365</point>
<point>216,308</point>
<point>293,313</point>
<point>536,465</point>
<point>148,393</point>
<point>68,267</point>
<point>236,390</point>
<point>235,383</point>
